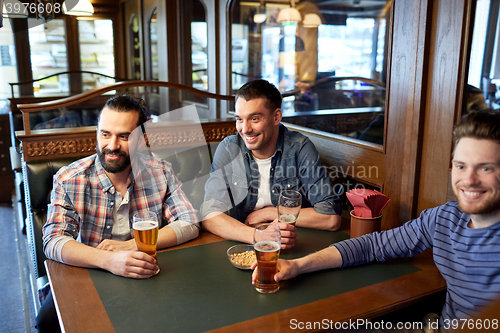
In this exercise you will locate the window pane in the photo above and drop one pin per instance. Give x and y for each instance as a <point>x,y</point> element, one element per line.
<point>154,46</point>
<point>194,49</point>
<point>48,56</point>
<point>199,57</point>
<point>8,69</point>
<point>484,64</point>
<point>330,65</point>
<point>96,52</point>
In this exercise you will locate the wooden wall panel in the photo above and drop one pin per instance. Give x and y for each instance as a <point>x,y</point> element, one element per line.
<point>404,110</point>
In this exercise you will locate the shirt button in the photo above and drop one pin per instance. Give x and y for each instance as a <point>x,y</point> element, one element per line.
<point>108,227</point>
<point>235,183</point>
<point>273,191</point>
<point>112,203</point>
<point>288,185</point>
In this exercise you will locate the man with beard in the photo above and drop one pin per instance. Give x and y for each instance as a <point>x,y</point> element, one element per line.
<point>464,235</point>
<point>93,200</point>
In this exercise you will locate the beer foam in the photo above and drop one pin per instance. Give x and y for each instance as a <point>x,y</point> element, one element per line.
<point>267,246</point>
<point>145,225</point>
<point>287,218</point>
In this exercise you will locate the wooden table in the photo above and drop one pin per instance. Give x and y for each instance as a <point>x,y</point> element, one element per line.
<point>80,308</point>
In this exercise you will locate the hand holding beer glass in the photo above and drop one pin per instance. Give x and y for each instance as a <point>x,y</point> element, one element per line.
<point>267,245</point>
<point>289,204</point>
<point>145,225</point>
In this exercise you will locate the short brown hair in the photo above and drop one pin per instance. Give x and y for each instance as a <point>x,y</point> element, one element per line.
<point>261,89</point>
<point>484,124</point>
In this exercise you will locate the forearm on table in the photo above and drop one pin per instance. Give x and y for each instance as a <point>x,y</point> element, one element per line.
<point>309,218</point>
<point>177,232</point>
<point>324,259</point>
<point>77,254</point>
<point>227,227</point>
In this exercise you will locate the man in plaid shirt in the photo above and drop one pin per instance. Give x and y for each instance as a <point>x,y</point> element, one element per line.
<point>93,201</point>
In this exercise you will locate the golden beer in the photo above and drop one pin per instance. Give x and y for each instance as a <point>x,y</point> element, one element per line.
<point>146,236</point>
<point>288,218</point>
<point>267,253</point>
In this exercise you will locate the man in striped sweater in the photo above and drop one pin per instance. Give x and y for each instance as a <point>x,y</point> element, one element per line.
<point>464,235</point>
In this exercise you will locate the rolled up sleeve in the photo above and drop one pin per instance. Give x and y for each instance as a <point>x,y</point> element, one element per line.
<point>62,219</point>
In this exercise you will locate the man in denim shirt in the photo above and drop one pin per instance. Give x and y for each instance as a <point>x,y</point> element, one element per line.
<point>250,170</point>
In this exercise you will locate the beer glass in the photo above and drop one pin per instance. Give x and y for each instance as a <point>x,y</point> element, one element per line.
<point>267,245</point>
<point>145,225</point>
<point>289,204</point>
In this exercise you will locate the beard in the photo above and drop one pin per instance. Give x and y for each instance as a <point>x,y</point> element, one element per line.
<point>113,166</point>
<point>486,207</point>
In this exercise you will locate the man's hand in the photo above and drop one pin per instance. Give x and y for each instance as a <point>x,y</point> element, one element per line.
<point>113,245</point>
<point>263,215</point>
<point>286,270</point>
<point>288,234</point>
<point>132,264</point>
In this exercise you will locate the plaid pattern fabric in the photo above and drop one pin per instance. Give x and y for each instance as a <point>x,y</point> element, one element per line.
<point>82,199</point>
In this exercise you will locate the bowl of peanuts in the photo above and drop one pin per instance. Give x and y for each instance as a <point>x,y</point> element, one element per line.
<point>241,256</point>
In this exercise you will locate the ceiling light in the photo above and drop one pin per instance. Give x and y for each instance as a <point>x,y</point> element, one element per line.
<point>289,15</point>
<point>259,18</point>
<point>78,7</point>
<point>311,21</point>
<point>14,9</point>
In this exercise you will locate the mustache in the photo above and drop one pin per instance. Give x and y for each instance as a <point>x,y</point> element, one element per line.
<point>116,152</point>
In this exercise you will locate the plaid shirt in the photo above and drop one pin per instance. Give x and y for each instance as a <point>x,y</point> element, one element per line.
<point>82,199</point>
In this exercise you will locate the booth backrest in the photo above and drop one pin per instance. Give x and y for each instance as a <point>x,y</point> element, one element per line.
<point>38,185</point>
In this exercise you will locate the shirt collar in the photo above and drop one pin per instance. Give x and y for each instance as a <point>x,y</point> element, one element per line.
<point>103,179</point>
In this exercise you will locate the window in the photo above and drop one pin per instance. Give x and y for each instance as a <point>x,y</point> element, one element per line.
<point>329,63</point>
<point>8,69</point>
<point>96,52</point>
<point>484,63</point>
<point>153,35</point>
<point>194,44</point>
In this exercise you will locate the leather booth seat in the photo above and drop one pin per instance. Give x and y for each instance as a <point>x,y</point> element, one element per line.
<point>191,167</point>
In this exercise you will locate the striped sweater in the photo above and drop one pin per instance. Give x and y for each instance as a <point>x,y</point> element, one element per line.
<point>468,259</point>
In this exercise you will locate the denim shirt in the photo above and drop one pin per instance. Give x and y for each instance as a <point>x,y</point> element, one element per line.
<point>234,179</point>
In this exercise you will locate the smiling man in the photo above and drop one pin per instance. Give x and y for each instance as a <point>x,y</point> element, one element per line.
<point>89,217</point>
<point>464,234</point>
<point>251,168</point>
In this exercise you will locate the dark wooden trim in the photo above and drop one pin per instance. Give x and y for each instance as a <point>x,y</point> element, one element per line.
<point>445,86</point>
<point>81,141</point>
<point>23,54</point>
<point>415,116</point>
<point>73,52</point>
<point>403,115</point>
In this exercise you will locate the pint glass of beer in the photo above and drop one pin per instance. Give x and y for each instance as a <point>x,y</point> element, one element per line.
<point>289,204</point>
<point>267,245</point>
<point>145,225</point>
